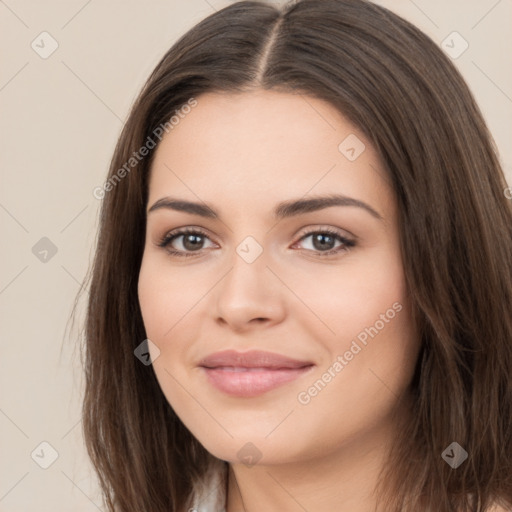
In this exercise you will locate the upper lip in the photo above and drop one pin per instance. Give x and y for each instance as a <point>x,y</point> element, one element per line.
<point>251,359</point>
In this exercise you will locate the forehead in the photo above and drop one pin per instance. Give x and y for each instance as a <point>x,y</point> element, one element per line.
<point>262,147</point>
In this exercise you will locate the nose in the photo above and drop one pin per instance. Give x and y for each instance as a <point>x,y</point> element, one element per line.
<point>249,295</point>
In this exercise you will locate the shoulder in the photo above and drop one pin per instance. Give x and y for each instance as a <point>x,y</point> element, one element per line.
<point>210,494</point>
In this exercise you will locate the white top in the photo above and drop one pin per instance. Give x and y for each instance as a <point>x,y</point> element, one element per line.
<point>210,496</point>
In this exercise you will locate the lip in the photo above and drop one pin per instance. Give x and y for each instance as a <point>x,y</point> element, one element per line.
<point>247,374</point>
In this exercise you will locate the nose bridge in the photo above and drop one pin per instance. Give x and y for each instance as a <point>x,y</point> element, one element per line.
<point>249,289</point>
<point>249,272</point>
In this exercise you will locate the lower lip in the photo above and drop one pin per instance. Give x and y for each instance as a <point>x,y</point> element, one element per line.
<point>252,382</point>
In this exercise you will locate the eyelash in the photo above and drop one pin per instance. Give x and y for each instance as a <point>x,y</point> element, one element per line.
<point>169,237</point>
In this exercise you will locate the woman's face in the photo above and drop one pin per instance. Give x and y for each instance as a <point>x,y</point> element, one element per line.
<point>320,285</point>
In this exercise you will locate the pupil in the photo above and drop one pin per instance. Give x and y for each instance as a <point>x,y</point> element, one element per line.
<point>319,241</point>
<point>193,240</point>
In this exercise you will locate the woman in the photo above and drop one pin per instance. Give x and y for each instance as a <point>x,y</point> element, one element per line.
<point>304,230</point>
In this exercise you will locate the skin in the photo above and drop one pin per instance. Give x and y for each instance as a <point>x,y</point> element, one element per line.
<point>242,154</point>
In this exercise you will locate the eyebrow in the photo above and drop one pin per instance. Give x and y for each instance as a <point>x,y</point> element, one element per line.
<point>282,210</point>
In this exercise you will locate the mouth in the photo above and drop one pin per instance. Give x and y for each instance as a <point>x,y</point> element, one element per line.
<point>248,374</point>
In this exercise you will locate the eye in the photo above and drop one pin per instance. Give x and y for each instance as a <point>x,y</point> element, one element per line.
<point>192,241</point>
<point>323,242</point>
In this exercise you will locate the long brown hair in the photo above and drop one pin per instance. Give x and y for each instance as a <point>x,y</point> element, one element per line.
<point>455,225</point>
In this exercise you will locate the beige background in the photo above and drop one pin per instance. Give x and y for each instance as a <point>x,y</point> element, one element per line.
<point>59,122</point>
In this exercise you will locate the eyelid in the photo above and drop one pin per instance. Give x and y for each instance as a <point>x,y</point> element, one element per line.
<point>323,227</point>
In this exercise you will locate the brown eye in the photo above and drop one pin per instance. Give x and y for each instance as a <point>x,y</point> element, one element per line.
<point>323,242</point>
<point>191,241</point>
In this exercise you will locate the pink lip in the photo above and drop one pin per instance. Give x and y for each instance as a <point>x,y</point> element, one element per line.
<point>246,374</point>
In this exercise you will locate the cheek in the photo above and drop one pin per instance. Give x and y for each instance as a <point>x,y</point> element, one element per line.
<point>167,296</point>
<point>162,306</point>
<point>351,296</point>
<point>365,304</point>
<point>170,300</point>
<point>152,300</point>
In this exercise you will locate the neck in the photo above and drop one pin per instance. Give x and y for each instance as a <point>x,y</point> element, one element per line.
<point>344,480</point>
